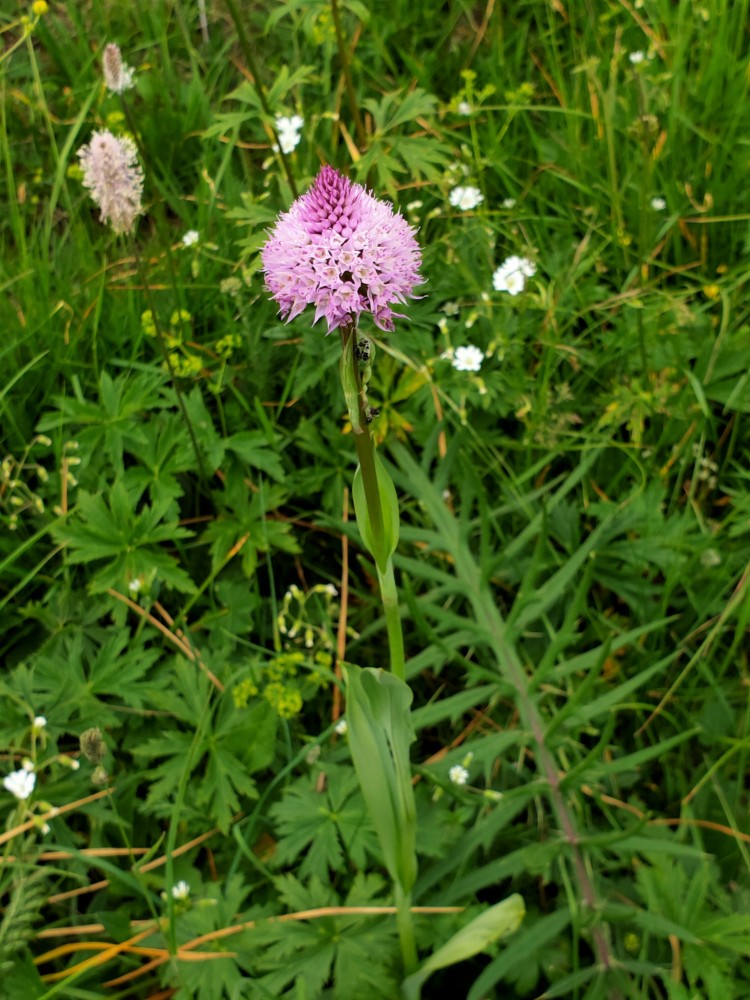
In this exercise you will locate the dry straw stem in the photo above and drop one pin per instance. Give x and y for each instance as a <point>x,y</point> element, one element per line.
<point>186,951</point>
<point>180,644</point>
<point>705,824</point>
<point>149,866</point>
<point>57,811</point>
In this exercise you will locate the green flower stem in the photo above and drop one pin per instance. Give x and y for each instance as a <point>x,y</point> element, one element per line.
<point>389,595</point>
<point>405,923</point>
<point>366,455</point>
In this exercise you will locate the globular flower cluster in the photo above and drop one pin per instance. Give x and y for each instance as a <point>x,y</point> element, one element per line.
<point>113,176</point>
<point>512,274</point>
<point>342,250</point>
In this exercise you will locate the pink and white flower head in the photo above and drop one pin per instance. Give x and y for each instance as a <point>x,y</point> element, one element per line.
<point>113,176</point>
<point>343,251</point>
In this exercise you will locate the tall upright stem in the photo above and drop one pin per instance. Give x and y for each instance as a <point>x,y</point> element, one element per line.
<point>368,470</point>
<point>247,52</point>
<point>347,73</point>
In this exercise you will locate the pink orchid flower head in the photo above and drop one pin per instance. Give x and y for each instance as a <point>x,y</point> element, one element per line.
<point>343,251</point>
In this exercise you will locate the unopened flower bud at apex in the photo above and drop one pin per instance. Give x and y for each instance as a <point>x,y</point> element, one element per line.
<point>92,745</point>
<point>342,250</point>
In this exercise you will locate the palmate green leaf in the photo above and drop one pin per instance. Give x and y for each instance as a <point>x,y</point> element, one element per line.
<point>327,829</point>
<point>355,951</point>
<point>222,747</point>
<point>244,519</point>
<point>253,448</point>
<point>83,682</point>
<point>109,528</point>
<point>225,780</point>
<point>164,452</point>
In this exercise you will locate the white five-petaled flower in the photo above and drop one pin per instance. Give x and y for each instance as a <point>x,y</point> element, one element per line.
<point>181,890</point>
<point>190,238</point>
<point>636,57</point>
<point>39,723</point>
<point>341,727</point>
<point>465,198</point>
<point>464,108</point>
<point>458,775</point>
<point>512,274</point>
<point>20,783</point>
<point>658,204</point>
<point>288,130</point>
<point>467,359</point>
<point>509,203</point>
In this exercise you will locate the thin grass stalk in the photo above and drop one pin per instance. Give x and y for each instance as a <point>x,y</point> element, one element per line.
<point>346,70</point>
<point>247,52</point>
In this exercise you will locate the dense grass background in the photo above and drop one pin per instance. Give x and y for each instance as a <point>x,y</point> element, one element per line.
<point>168,543</point>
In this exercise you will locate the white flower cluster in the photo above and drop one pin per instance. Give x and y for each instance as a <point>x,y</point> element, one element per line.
<point>512,274</point>
<point>465,198</point>
<point>289,132</point>
<point>20,783</point>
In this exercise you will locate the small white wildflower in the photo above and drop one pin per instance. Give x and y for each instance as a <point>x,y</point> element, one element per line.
<point>20,783</point>
<point>331,590</point>
<point>512,274</point>
<point>74,764</point>
<point>39,723</point>
<point>467,359</point>
<point>341,727</point>
<point>464,108</point>
<point>465,198</point>
<point>636,57</point>
<point>190,238</point>
<point>458,775</point>
<point>181,890</point>
<point>118,76</point>
<point>509,203</point>
<point>135,585</point>
<point>413,206</point>
<point>658,204</point>
<point>44,828</point>
<point>288,132</point>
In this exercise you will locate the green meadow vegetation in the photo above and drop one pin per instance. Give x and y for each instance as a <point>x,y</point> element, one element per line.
<point>213,785</point>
